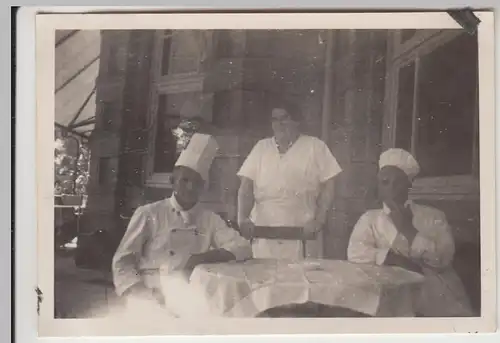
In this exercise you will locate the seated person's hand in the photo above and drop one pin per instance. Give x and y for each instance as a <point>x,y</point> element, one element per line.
<point>246,228</point>
<point>397,260</point>
<point>211,256</point>
<point>402,217</point>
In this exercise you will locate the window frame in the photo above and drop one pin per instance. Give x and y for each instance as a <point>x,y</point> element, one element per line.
<point>165,85</point>
<point>421,44</point>
<point>160,36</point>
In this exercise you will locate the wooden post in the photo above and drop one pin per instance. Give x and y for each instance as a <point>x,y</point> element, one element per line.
<point>326,113</point>
<point>327,89</point>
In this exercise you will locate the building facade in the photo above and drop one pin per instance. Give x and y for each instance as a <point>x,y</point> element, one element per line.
<point>361,91</point>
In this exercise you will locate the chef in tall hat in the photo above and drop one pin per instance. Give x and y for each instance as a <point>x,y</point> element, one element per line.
<point>412,236</point>
<point>169,238</point>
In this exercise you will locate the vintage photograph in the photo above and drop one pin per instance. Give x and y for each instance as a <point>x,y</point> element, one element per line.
<point>267,173</point>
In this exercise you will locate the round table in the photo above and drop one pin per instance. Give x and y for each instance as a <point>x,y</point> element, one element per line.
<point>252,287</point>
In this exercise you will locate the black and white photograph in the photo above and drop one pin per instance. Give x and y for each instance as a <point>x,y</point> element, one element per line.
<point>212,172</point>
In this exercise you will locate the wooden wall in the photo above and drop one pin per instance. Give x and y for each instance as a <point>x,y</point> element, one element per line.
<point>118,144</point>
<point>355,136</point>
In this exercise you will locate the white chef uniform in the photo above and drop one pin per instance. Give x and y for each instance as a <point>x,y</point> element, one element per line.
<point>286,189</point>
<point>163,236</point>
<point>443,293</point>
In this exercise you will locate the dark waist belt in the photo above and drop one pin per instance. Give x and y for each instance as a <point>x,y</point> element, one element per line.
<point>282,232</point>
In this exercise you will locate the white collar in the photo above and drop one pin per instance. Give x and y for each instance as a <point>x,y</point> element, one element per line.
<point>289,144</point>
<point>387,210</point>
<point>188,216</point>
<point>175,204</point>
<point>277,145</point>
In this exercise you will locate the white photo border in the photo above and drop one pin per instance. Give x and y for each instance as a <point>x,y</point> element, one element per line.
<point>69,327</point>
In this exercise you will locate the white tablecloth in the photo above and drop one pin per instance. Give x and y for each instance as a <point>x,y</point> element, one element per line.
<point>245,289</point>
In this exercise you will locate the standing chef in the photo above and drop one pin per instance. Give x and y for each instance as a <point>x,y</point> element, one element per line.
<point>286,181</point>
<point>175,234</point>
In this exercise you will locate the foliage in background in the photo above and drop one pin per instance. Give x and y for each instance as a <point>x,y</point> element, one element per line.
<point>186,129</point>
<point>71,166</point>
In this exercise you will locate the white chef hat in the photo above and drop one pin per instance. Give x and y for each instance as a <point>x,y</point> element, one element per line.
<point>199,154</point>
<point>401,159</point>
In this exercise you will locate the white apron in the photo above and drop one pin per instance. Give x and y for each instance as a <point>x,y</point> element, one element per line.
<point>286,189</point>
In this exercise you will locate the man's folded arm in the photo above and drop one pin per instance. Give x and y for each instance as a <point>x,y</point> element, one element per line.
<point>126,258</point>
<point>362,246</point>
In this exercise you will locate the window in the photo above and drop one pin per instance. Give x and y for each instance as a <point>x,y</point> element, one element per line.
<point>169,116</point>
<point>165,57</point>
<point>177,80</point>
<point>446,108</point>
<point>181,51</point>
<point>435,111</point>
<point>165,143</point>
<point>404,114</point>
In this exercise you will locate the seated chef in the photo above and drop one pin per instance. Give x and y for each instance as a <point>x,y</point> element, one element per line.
<point>176,234</point>
<point>412,236</point>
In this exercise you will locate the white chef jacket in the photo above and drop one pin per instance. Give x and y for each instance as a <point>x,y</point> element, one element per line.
<point>161,235</point>
<point>286,188</point>
<point>442,293</point>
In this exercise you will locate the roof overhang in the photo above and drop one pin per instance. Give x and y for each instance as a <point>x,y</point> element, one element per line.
<point>77,55</point>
